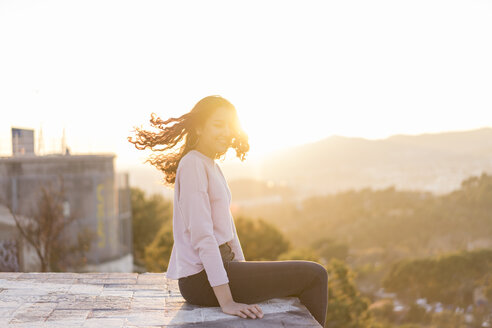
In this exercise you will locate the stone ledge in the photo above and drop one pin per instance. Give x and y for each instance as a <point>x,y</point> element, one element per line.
<point>119,300</point>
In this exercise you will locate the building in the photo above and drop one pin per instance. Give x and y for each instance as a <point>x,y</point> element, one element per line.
<point>99,197</point>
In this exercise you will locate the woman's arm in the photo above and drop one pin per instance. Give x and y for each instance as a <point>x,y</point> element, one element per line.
<point>223,294</point>
<point>227,304</point>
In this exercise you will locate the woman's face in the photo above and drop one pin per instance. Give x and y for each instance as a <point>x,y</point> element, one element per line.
<point>216,133</point>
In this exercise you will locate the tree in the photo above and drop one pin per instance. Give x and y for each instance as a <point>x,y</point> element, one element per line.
<point>346,307</point>
<point>306,254</point>
<point>260,240</point>
<point>44,225</point>
<point>417,314</point>
<point>327,249</point>
<point>449,278</point>
<point>158,253</point>
<point>149,214</point>
<point>382,310</point>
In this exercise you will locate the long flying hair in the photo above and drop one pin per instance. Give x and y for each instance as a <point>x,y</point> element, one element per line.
<point>185,128</point>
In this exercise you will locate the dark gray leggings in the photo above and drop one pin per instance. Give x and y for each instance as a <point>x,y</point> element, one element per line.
<point>256,281</point>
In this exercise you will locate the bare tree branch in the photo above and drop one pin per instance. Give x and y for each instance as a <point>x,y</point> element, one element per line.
<point>44,226</point>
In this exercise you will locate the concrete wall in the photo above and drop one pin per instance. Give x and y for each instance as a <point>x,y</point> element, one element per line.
<point>91,194</point>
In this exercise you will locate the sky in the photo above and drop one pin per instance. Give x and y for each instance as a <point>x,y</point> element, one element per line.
<point>296,71</point>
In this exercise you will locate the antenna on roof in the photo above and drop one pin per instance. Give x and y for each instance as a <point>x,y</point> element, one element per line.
<point>40,141</point>
<point>65,149</point>
<point>63,142</point>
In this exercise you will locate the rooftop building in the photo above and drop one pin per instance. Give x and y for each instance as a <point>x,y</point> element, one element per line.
<point>93,192</point>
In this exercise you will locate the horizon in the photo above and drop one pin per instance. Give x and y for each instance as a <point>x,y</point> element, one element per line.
<point>230,157</point>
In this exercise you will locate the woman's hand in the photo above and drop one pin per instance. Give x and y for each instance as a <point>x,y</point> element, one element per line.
<point>243,310</point>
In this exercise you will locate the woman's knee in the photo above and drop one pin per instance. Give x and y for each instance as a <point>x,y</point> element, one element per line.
<point>318,271</point>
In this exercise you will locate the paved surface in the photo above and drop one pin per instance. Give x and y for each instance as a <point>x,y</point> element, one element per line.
<point>134,300</point>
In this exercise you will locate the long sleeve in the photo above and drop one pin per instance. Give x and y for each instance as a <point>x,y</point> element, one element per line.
<point>195,207</point>
<point>236,245</point>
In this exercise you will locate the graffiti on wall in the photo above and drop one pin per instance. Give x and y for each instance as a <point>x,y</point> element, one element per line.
<point>100,216</point>
<point>8,256</point>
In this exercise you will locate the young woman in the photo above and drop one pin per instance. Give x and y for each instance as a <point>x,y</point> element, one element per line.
<point>207,257</point>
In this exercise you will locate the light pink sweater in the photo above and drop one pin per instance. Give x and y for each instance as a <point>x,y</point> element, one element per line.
<point>202,220</point>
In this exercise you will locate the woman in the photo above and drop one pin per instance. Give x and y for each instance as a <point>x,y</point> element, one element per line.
<point>207,257</point>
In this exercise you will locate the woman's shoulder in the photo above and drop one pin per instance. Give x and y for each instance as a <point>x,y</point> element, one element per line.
<point>192,173</point>
<point>190,160</point>
<point>190,157</point>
